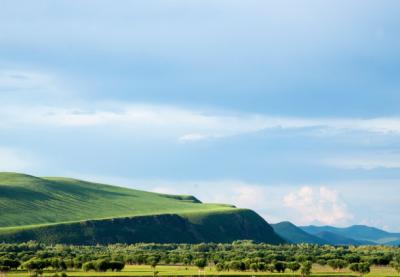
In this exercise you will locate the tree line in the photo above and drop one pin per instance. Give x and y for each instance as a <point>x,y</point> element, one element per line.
<point>237,256</point>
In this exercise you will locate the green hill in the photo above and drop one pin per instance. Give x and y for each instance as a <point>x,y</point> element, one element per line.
<point>75,211</point>
<point>294,234</point>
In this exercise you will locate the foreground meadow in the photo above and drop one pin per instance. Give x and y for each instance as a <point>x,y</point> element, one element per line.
<point>163,270</point>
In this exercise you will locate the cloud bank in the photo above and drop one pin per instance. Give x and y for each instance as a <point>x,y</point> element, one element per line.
<point>319,206</point>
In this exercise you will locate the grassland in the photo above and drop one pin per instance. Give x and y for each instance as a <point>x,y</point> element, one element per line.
<point>143,270</point>
<point>65,210</point>
<point>27,200</point>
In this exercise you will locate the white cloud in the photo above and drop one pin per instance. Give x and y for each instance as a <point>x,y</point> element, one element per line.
<point>314,204</point>
<point>165,190</point>
<point>266,200</point>
<point>320,206</point>
<point>250,196</point>
<point>238,193</point>
<point>193,137</point>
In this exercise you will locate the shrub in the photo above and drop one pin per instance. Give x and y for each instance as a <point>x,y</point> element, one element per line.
<point>337,264</point>
<point>4,268</point>
<point>88,266</point>
<point>12,264</point>
<point>116,265</point>
<point>200,263</point>
<point>237,265</point>
<point>101,265</point>
<point>253,267</point>
<point>220,266</point>
<point>35,264</point>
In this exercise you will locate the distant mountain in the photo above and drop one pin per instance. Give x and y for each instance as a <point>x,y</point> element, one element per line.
<point>294,234</point>
<point>360,233</point>
<point>336,239</point>
<point>393,242</point>
<point>65,210</point>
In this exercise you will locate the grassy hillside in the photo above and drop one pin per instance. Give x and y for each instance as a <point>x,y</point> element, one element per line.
<point>28,200</point>
<point>75,211</point>
<point>294,234</point>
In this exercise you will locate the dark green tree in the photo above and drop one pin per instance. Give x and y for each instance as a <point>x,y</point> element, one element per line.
<point>337,264</point>
<point>88,266</point>
<point>361,268</point>
<point>305,269</point>
<point>153,262</point>
<point>396,263</point>
<point>293,266</point>
<point>279,266</point>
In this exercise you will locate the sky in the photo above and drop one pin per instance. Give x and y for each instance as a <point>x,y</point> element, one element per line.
<point>290,108</point>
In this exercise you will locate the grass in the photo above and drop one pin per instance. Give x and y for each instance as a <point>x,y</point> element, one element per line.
<point>65,210</point>
<point>138,270</point>
<point>30,201</point>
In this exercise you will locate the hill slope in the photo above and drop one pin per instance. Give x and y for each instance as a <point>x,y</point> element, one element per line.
<point>223,226</point>
<point>75,211</point>
<point>361,233</point>
<point>294,234</point>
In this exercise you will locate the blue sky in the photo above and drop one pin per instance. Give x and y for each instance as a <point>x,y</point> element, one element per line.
<point>287,107</point>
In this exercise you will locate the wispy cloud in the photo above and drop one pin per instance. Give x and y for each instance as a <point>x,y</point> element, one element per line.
<point>184,124</point>
<point>15,83</point>
<point>194,137</point>
<point>365,161</point>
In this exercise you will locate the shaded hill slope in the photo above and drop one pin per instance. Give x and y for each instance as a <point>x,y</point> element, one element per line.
<point>225,226</point>
<point>74,211</point>
<point>294,234</point>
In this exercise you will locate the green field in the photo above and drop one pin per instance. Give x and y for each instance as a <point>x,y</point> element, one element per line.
<point>137,270</point>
